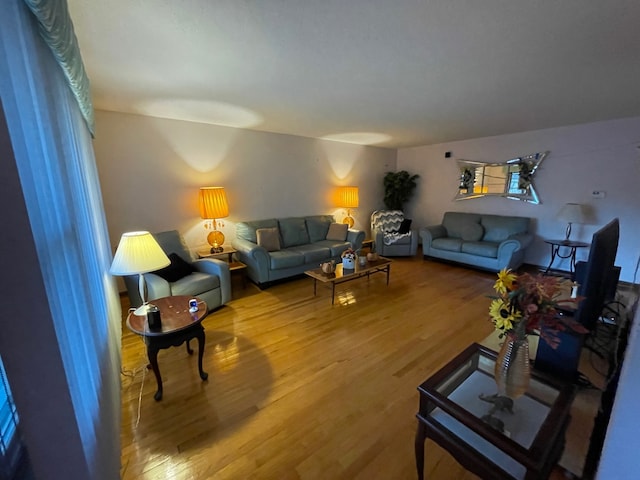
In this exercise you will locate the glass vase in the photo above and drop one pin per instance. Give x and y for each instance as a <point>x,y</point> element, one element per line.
<point>512,372</point>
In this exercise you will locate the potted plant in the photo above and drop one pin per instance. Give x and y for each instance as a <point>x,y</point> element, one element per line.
<point>398,188</point>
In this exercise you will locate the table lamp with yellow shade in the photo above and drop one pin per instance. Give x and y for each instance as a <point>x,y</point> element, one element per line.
<point>213,206</point>
<point>347,197</point>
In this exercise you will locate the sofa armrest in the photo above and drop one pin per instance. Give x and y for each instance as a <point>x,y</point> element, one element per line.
<point>255,257</point>
<point>511,245</point>
<point>157,287</point>
<point>430,233</point>
<point>355,237</point>
<point>216,267</point>
<point>524,239</point>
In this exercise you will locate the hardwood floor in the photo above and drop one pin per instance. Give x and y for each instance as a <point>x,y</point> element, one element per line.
<point>300,389</point>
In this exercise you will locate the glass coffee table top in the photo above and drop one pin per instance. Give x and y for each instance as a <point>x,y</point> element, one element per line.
<point>459,400</point>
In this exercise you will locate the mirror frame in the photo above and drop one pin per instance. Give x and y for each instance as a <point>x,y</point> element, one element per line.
<point>511,179</point>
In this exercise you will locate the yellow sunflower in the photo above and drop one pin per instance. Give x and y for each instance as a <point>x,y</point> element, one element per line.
<point>502,318</point>
<point>506,279</point>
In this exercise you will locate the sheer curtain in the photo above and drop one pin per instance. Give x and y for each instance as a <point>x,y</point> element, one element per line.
<point>59,181</point>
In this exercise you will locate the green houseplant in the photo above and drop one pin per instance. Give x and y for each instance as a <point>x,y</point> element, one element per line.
<point>398,188</point>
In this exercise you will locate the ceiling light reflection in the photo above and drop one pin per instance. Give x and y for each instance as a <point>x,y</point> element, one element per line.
<point>359,138</point>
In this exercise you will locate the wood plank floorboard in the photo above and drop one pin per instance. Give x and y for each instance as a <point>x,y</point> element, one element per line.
<point>301,389</point>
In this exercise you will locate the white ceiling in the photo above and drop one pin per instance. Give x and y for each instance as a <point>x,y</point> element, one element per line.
<point>393,73</point>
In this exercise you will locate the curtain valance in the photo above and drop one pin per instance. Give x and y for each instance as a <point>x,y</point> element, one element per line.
<point>56,29</point>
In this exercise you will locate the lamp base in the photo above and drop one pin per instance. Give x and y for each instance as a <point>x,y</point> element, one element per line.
<point>215,239</point>
<point>349,221</point>
<point>143,309</point>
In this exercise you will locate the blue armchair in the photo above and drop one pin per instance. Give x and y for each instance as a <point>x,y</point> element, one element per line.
<point>206,278</point>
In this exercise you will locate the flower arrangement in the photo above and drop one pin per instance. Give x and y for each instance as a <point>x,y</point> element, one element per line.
<point>349,253</point>
<point>527,304</point>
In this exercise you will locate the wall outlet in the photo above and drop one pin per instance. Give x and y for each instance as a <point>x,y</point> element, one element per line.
<point>598,194</point>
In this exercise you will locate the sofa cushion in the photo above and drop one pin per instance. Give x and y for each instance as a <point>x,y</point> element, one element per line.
<point>285,259</point>
<point>268,238</point>
<point>446,243</point>
<point>335,247</point>
<point>482,249</point>
<point>318,226</point>
<point>457,222</point>
<point>498,228</point>
<point>196,282</point>
<point>472,232</point>
<point>338,232</point>
<point>293,231</point>
<point>313,253</point>
<point>177,269</point>
<point>247,230</point>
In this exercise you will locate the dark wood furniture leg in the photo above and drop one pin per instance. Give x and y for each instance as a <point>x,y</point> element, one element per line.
<point>419,448</point>
<point>152,354</point>
<point>155,344</point>
<point>200,336</point>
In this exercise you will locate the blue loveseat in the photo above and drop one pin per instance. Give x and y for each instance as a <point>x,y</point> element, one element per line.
<point>490,242</point>
<point>279,248</point>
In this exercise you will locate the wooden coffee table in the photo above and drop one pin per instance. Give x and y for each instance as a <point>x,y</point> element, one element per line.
<point>341,275</point>
<point>178,326</point>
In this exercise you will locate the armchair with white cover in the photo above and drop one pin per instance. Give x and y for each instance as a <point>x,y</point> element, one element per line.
<point>392,234</point>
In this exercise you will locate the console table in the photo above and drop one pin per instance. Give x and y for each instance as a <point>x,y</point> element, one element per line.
<point>178,326</point>
<point>451,414</point>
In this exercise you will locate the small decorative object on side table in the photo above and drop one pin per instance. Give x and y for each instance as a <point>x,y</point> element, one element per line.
<point>349,259</point>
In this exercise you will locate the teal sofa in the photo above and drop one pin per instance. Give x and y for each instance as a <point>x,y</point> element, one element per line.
<point>489,242</point>
<point>302,244</point>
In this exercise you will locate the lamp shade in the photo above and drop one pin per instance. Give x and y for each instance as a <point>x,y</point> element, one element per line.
<point>138,252</point>
<point>347,197</point>
<point>213,203</point>
<point>572,213</point>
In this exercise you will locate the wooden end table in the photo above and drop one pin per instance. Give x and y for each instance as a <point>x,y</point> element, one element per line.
<point>451,414</point>
<point>178,326</point>
<point>234,265</point>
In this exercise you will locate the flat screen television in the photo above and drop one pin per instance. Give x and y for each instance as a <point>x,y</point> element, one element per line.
<point>597,277</point>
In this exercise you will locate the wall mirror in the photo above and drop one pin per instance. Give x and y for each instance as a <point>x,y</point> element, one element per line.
<point>511,179</point>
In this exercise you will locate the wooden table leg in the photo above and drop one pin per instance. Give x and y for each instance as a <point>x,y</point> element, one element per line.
<point>200,336</point>
<point>152,354</point>
<point>388,272</point>
<point>419,449</point>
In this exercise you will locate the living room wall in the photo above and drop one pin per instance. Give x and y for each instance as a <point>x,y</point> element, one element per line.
<point>602,156</point>
<point>151,169</point>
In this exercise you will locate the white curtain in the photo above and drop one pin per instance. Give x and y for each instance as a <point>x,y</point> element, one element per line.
<point>59,181</point>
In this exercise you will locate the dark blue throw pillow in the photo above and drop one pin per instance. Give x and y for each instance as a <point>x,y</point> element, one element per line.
<point>176,270</point>
<point>405,226</point>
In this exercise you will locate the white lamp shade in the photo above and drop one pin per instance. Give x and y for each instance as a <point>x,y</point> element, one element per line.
<point>572,213</point>
<point>138,252</point>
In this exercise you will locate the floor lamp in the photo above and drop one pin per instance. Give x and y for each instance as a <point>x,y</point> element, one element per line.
<point>138,253</point>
